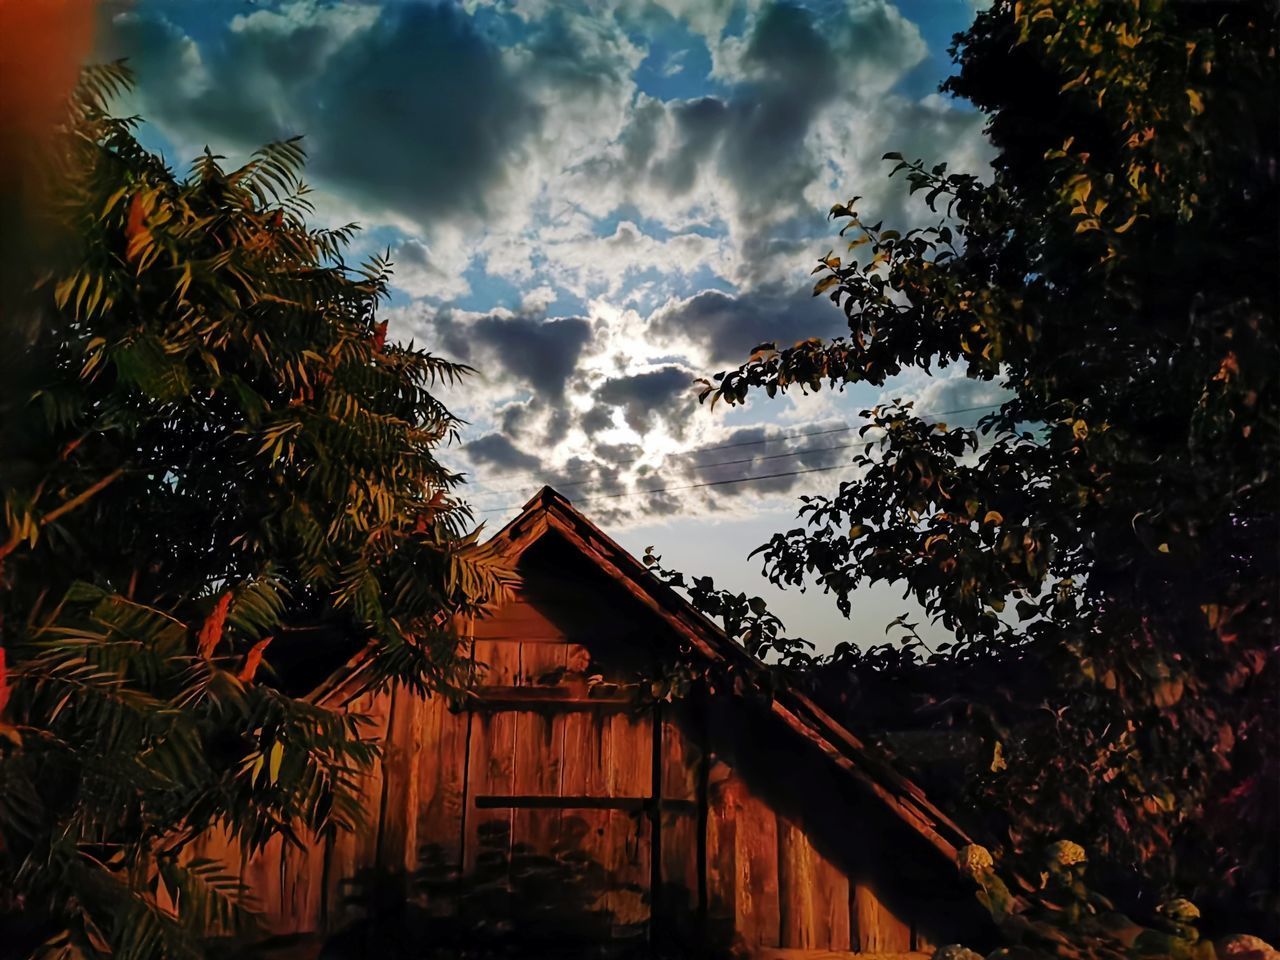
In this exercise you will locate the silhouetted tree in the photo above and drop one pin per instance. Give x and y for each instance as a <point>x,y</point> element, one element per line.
<point>1114,524</point>
<point>212,454</point>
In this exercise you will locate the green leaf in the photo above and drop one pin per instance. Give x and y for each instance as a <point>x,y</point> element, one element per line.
<point>277,758</point>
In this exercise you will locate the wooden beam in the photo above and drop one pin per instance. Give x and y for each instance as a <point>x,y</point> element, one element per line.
<point>631,804</point>
<point>800,953</point>
<point>544,698</point>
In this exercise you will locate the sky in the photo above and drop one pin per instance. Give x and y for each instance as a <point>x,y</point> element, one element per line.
<point>594,204</point>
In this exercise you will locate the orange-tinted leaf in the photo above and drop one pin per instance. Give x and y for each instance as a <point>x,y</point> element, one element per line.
<point>211,631</point>
<point>253,660</point>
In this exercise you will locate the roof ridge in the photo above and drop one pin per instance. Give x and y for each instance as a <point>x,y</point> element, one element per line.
<point>884,778</point>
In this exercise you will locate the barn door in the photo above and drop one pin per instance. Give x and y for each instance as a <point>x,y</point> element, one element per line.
<point>560,816</point>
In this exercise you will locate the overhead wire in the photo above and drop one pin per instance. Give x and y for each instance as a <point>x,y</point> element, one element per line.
<point>691,486</point>
<point>712,483</point>
<point>740,443</point>
<point>701,466</point>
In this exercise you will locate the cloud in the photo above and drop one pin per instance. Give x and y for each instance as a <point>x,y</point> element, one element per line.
<point>949,390</point>
<point>540,353</point>
<point>787,72</point>
<point>666,393</point>
<point>675,63</point>
<point>726,326</point>
<point>481,138</point>
<point>587,265</point>
<point>698,126</point>
<point>421,272</point>
<point>611,244</point>
<point>496,450</point>
<point>405,108</point>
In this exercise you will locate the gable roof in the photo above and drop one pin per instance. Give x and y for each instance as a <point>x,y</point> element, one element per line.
<point>548,512</point>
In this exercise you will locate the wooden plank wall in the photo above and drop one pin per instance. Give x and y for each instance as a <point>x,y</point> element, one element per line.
<point>731,864</point>
<point>773,888</point>
<point>317,886</point>
<point>791,864</point>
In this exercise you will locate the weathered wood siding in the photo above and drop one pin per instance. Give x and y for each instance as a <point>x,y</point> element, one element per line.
<point>699,820</point>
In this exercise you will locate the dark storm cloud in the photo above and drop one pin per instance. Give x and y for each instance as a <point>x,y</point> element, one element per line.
<point>540,353</point>
<point>579,477</point>
<point>497,451</point>
<point>699,125</point>
<point>571,51</point>
<point>665,394</point>
<point>618,452</point>
<point>729,325</point>
<point>407,108</point>
<point>538,423</point>
<point>412,253</point>
<point>793,71</point>
<point>596,420</point>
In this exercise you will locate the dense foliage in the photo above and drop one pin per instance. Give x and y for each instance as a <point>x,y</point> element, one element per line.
<point>212,457</point>
<point>1112,529</point>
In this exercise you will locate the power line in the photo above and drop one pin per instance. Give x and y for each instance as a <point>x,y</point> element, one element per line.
<point>705,466</point>
<point>730,446</point>
<point>690,486</point>
<point>710,483</point>
<point>687,453</point>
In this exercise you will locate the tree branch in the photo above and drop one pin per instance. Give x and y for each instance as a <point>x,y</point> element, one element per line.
<point>66,507</point>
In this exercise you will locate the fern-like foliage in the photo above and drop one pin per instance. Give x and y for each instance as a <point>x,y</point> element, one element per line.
<point>212,453</point>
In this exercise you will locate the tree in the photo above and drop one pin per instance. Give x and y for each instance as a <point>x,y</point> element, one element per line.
<point>212,456</point>
<point>1113,527</point>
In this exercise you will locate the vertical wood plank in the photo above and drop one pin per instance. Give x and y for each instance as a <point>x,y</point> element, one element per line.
<point>431,868</point>
<point>370,826</point>
<point>339,884</point>
<point>878,930</point>
<point>583,772</point>
<point>490,767</point>
<point>217,844</point>
<point>539,748</point>
<point>398,838</point>
<point>542,664</point>
<point>677,899</point>
<point>813,894</point>
<point>264,874</point>
<point>630,774</point>
<point>722,872</point>
<point>442,796</point>
<point>833,905</point>
<point>798,892</point>
<point>350,853</point>
<point>756,836</point>
<point>681,753</point>
<point>538,744</point>
<point>302,879</point>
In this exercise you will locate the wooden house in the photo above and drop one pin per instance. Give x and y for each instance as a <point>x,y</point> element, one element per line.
<point>563,803</point>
